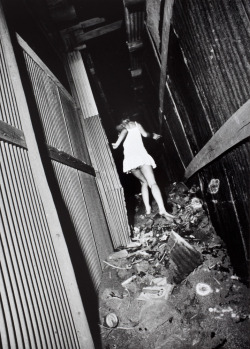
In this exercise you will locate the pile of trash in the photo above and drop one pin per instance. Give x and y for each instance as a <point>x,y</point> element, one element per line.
<point>173,286</point>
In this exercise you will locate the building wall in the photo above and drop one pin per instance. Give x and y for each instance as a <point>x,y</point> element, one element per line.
<point>207,81</point>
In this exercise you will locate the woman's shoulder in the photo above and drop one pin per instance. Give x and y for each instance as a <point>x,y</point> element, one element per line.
<point>132,124</point>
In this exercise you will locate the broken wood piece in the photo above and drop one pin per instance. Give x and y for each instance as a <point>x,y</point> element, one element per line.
<point>97,32</point>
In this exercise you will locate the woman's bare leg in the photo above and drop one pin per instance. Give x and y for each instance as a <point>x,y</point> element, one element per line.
<point>144,189</point>
<point>148,173</point>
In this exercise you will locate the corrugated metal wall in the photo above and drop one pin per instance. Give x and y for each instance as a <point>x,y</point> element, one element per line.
<point>108,181</point>
<point>208,80</point>
<point>35,310</point>
<point>111,184</point>
<point>62,131</point>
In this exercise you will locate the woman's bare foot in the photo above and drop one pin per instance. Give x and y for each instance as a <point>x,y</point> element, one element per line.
<point>167,215</point>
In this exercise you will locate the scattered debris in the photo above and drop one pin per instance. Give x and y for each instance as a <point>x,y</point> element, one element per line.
<point>213,186</point>
<point>203,289</point>
<point>111,320</point>
<point>173,286</point>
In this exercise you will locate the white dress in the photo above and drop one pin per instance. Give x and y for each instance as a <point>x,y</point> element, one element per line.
<point>135,154</point>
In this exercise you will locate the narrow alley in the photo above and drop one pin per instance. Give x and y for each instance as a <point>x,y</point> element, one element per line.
<point>124,174</point>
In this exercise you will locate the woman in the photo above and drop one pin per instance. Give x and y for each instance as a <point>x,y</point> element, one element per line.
<point>138,162</point>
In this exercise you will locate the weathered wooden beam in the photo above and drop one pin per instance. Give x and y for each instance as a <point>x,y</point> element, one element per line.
<point>98,32</point>
<point>69,160</point>
<point>233,131</point>
<point>128,3</point>
<point>85,24</point>
<point>11,134</point>
<point>168,9</point>
<point>134,46</point>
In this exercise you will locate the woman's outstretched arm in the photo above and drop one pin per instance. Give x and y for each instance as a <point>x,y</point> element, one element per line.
<point>121,137</point>
<point>147,134</point>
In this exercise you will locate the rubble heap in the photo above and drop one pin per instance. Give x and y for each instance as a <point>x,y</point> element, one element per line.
<point>173,285</point>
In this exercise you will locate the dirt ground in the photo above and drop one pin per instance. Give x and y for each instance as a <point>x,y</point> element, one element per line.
<point>188,294</point>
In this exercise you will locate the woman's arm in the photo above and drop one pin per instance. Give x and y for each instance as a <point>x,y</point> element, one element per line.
<point>147,134</point>
<point>121,137</point>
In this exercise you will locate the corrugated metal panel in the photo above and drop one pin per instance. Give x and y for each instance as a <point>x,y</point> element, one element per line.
<point>109,180</point>
<point>134,23</point>
<point>36,310</point>
<point>73,197</point>
<point>62,131</point>
<point>98,221</point>
<point>48,102</point>
<point>76,136</point>
<point>107,177</point>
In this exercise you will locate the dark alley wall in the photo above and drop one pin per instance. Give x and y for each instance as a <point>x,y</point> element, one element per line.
<point>208,80</point>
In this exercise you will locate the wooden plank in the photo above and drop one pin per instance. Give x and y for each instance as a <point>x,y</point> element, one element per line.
<point>168,9</point>
<point>85,24</point>
<point>69,160</point>
<point>233,131</point>
<point>11,134</point>
<point>98,32</point>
